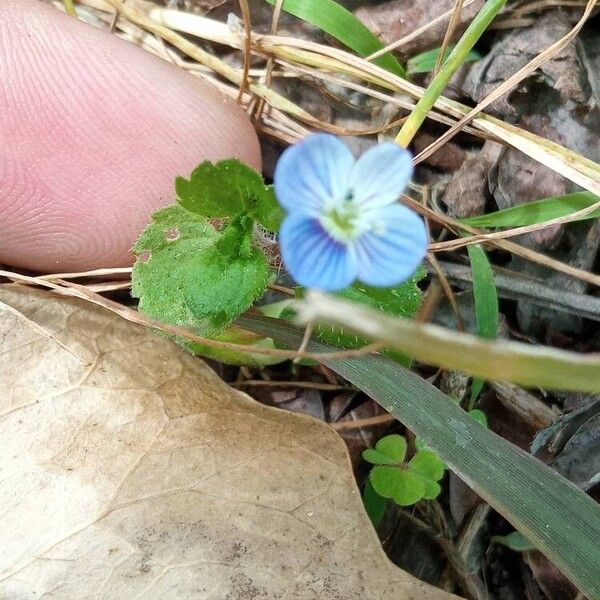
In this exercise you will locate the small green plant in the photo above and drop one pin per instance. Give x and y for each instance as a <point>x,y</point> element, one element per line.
<point>198,272</point>
<point>404,482</point>
<point>206,260</point>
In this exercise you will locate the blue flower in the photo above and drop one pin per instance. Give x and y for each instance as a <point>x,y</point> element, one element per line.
<point>343,221</point>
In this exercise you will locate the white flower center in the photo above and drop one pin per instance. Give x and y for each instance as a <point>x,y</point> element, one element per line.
<point>341,219</point>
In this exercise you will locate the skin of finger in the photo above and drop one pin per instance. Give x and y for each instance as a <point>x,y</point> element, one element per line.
<point>93,131</point>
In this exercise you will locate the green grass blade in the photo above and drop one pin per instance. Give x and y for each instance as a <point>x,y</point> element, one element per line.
<point>426,61</point>
<point>341,24</point>
<point>552,513</point>
<point>457,57</point>
<point>486,303</point>
<point>539,211</point>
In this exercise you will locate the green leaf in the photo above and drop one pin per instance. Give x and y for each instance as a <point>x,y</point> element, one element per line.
<point>341,24</point>
<point>226,189</point>
<point>420,444</point>
<point>265,209</point>
<point>428,464</point>
<point>560,519</point>
<point>486,302</point>
<point>223,289</point>
<point>389,450</point>
<point>515,541</point>
<point>426,61</point>
<point>402,486</point>
<point>538,212</point>
<point>375,504</point>
<point>167,252</point>
<point>486,296</point>
<point>189,274</point>
<point>403,300</point>
<point>393,446</point>
<point>228,278</point>
<point>235,335</point>
<point>432,489</point>
<point>479,416</point>
<point>377,458</point>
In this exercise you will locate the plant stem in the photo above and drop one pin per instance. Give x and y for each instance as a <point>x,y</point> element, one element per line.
<point>469,38</point>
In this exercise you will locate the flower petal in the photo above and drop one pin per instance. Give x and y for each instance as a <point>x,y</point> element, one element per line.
<point>380,175</point>
<point>392,250</point>
<point>312,172</point>
<point>312,257</point>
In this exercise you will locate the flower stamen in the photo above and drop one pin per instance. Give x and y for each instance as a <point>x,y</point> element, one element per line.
<point>341,222</point>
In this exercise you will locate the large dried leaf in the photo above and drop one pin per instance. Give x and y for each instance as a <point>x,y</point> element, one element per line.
<point>129,470</point>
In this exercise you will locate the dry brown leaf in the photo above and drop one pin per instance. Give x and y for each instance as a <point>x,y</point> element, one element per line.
<point>129,470</point>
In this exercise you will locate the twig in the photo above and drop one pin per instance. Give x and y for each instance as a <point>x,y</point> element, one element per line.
<point>129,314</point>
<point>93,273</point>
<point>513,286</point>
<point>309,385</point>
<point>526,253</point>
<point>363,423</point>
<point>439,271</point>
<point>245,10</point>
<point>454,20</point>
<point>282,289</point>
<point>270,59</point>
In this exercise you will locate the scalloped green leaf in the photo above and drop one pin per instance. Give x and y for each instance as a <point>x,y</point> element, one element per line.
<point>189,274</point>
<point>432,489</point>
<point>428,464</point>
<point>227,189</point>
<point>167,253</point>
<point>403,487</point>
<point>393,446</point>
<point>389,450</point>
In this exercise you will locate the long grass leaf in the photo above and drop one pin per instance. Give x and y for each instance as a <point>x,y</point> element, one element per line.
<point>426,61</point>
<point>539,211</point>
<point>552,513</point>
<point>486,302</point>
<point>457,57</point>
<point>341,24</point>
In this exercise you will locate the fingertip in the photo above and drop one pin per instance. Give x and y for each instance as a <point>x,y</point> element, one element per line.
<point>94,132</point>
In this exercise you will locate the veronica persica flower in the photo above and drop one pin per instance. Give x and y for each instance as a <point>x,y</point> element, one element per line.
<point>343,222</point>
